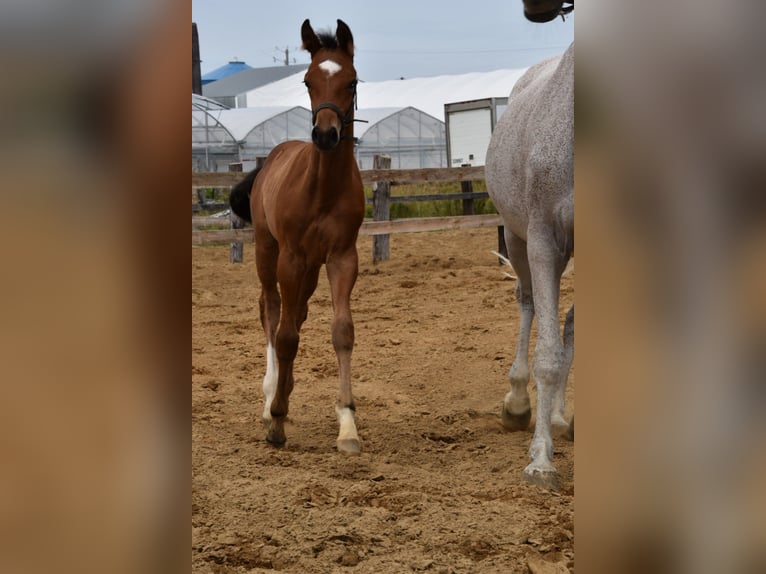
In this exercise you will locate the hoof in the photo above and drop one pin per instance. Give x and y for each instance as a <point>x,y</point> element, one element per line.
<point>546,478</point>
<point>276,437</point>
<point>275,443</point>
<point>349,446</point>
<point>518,422</point>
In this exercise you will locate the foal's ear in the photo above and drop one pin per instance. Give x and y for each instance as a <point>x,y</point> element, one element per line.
<point>310,40</point>
<point>345,39</point>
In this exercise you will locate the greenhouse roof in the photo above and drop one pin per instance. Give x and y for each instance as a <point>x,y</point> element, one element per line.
<point>426,94</point>
<point>240,122</point>
<point>203,103</point>
<point>374,116</point>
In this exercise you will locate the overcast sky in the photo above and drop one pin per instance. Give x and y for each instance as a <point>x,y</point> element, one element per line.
<point>393,39</point>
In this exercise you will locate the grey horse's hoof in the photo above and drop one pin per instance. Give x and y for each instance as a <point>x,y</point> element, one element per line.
<point>542,477</point>
<point>518,422</point>
<point>349,446</point>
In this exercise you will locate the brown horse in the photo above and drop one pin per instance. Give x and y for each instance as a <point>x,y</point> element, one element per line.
<point>307,203</point>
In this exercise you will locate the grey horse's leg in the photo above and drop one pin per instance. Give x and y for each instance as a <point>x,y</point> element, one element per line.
<point>549,363</point>
<point>516,408</point>
<point>560,427</point>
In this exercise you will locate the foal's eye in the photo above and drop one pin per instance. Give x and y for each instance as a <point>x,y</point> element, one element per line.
<point>352,85</point>
<point>305,83</point>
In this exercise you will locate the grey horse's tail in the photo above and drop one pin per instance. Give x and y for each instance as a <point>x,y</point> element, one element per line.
<point>239,199</point>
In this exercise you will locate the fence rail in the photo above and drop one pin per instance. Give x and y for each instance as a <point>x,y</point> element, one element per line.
<point>369,227</point>
<point>369,176</point>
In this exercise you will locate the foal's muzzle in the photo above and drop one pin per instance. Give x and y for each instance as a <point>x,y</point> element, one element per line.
<point>325,139</point>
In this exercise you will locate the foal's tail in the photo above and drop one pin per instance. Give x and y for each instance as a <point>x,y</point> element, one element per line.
<point>239,199</point>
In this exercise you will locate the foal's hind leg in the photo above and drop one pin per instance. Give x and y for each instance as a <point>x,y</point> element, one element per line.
<point>516,408</point>
<point>342,272</point>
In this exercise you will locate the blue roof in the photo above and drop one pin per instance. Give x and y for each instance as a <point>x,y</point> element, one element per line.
<point>224,71</point>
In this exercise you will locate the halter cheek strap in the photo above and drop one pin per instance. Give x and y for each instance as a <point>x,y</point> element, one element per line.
<point>345,119</point>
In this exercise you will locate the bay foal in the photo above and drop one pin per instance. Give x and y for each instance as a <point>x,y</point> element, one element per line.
<point>307,203</point>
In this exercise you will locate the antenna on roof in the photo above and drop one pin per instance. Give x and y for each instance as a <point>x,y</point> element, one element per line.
<point>286,60</point>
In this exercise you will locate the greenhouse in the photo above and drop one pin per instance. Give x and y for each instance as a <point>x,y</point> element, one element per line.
<point>211,141</point>
<point>221,136</point>
<point>411,137</point>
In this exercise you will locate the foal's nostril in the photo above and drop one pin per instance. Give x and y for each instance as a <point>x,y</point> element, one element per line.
<point>333,136</point>
<point>315,135</point>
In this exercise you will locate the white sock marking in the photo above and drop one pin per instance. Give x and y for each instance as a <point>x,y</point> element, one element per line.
<point>331,68</point>
<point>270,380</point>
<point>347,424</point>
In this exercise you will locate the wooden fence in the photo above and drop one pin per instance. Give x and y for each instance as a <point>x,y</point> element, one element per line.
<point>381,179</point>
<point>369,176</point>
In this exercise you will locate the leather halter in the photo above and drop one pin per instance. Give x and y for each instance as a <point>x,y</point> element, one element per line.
<point>548,16</point>
<point>345,119</point>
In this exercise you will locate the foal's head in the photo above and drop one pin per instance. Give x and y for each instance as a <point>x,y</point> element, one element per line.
<point>331,81</point>
<point>546,10</point>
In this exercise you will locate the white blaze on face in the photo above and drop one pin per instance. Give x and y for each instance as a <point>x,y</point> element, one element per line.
<point>330,68</point>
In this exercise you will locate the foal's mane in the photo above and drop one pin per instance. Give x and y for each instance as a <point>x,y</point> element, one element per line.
<point>327,39</point>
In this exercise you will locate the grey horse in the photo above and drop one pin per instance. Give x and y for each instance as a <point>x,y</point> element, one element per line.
<point>530,178</point>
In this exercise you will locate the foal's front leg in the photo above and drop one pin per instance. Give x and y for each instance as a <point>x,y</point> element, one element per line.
<point>342,272</point>
<point>297,282</point>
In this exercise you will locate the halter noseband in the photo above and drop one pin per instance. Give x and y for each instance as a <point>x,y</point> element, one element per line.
<point>345,119</point>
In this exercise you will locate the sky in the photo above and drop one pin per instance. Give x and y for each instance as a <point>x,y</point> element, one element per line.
<point>393,39</point>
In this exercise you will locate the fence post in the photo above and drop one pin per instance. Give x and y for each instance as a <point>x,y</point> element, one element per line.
<point>235,249</point>
<point>381,194</point>
<point>467,187</point>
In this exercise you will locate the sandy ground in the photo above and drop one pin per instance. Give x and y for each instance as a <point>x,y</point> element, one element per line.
<point>438,486</point>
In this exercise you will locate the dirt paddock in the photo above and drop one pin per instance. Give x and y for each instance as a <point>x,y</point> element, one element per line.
<point>438,486</point>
